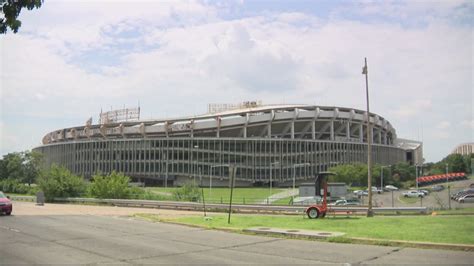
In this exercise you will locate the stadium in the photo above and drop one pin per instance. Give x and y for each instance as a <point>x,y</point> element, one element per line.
<point>265,143</point>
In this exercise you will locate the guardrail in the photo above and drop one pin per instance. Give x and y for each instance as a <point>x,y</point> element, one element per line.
<point>23,198</point>
<point>255,208</point>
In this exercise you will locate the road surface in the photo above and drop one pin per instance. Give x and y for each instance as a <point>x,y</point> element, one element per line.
<point>67,234</point>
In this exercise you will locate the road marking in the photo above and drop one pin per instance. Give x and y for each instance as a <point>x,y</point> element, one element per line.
<point>11,229</point>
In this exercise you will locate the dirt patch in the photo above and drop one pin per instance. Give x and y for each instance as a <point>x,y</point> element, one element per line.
<point>30,208</point>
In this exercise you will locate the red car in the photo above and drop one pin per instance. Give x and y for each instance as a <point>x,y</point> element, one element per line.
<point>5,204</point>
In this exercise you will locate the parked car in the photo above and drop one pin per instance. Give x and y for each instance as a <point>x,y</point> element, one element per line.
<point>437,188</point>
<point>361,193</point>
<point>424,191</point>
<point>390,188</point>
<point>5,204</point>
<point>466,198</point>
<point>461,193</point>
<point>413,194</point>
<point>377,190</point>
<point>346,202</point>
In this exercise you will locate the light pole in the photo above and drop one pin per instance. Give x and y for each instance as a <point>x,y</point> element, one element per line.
<point>416,175</point>
<point>194,175</point>
<point>381,175</point>
<point>294,172</point>
<point>271,180</point>
<point>365,72</point>
<point>166,174</point>
<point>210,179</point>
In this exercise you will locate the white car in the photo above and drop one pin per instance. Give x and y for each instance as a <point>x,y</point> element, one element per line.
<point>376,190</point>
<point>361,193</point>
<point>390,188</point>
<point>424,191</point>
<point>413,194</point>
<point>466,198</point>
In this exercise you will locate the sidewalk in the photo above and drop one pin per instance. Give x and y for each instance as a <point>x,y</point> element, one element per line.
<point>285,194</point>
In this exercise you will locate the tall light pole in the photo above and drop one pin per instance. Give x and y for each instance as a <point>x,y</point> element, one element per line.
<point>166,174</point>
<point>194,174</point>
<point>294,172</point>
<point>447,171</point>
<point>416,175</point>
<point>271,180</point>
<point>365,72</point>
<point>381,175</point>
<point>210,178</point>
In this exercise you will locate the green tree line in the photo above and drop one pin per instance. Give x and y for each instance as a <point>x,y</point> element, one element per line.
<point>401,174</point>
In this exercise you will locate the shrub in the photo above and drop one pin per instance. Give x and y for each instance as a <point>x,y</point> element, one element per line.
<point>60,182</point>
<point>143,194</point>
<point>189,192</point>
<point>13,186</point>
<point>113,186</point>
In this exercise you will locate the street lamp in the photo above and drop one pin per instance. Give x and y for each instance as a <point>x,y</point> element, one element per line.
<point>271,180</point>
<point>381,175</point>
<point>365,72</point>
<point>194,174</point>
<point>418,172</point>
<point>210,179</point>
<point>294,172</point>
<point>416,175</point>
<point>166,173</point>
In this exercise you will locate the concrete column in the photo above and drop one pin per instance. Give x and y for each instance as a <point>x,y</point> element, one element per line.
<point>361,132</point>
<point>332,130</point>
<point>292,129</point>
<point>348,130</point>
<point>313,129</point>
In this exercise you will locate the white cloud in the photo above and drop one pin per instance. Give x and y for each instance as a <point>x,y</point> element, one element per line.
<point>468,124</point>
<point>414,108</point>
<point>176,58</point>
<point>443,125</point>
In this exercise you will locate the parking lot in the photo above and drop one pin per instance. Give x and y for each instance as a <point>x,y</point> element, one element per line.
<point>435,199</point>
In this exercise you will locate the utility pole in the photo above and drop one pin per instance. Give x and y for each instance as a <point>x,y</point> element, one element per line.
<point>370,212</point>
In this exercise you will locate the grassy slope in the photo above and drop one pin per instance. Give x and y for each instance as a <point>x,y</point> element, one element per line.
<point>441,229</point>
<point>250,195</point>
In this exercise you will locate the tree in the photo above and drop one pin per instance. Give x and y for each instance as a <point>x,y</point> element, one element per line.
<point>21,166</point>
<point>31,166</point>
<point>11,10</point>
<point>60,182</point>
<point>113,186</point>
<point>189,192</point>
<point>353,174</point>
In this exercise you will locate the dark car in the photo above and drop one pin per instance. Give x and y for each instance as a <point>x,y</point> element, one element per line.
<point>437,188</point>
<point>5,204</point>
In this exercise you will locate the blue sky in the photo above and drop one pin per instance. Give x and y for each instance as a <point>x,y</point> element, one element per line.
<point>73,58</point>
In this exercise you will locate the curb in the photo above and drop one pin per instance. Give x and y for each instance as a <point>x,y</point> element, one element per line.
<point>352,240</point>
<point>294,233</point>
<point>415,244</point>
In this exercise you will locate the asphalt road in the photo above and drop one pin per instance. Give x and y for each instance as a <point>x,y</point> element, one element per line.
<point>86,239</point>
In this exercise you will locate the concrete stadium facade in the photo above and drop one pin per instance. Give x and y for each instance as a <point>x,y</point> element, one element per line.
<point>276,143</point>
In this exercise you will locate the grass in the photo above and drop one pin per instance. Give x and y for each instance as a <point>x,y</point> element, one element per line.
<point>240,195</point>
<point>457,211</point>
<point>438,229</point>
<point>408,200</point>
<point>283,201</point>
